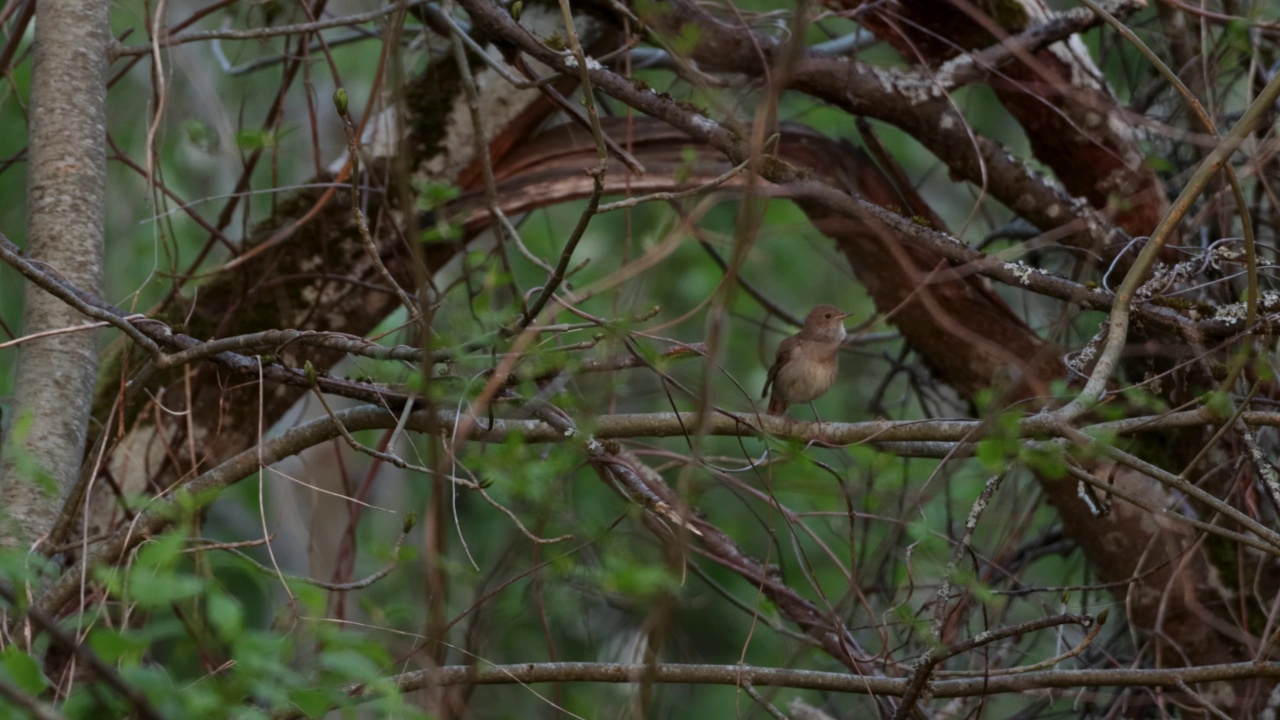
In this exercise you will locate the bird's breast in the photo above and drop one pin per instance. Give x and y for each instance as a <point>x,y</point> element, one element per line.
<point>804,378</point>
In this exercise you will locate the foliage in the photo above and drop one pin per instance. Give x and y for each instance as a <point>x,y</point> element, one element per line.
<point>942,495</point>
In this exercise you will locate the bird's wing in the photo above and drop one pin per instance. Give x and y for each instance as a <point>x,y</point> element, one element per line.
<point>785,348</point>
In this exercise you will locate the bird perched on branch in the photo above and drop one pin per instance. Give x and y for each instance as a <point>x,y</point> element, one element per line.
<point>806,364</point>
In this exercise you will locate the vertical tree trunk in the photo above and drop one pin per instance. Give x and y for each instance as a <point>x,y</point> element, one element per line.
<point>66,199</point>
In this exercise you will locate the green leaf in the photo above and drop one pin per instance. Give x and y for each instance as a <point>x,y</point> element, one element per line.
<point>259,139</point>
<point>990,452</point>
<point>1239,36</point>
<point>436,194</point>
<point>198,134</point>
<point>349,665</point>
<point>1262,367</point>
<point>1219,403</point>
<point>443,231</point>
<point>688,160</point>
<point>23,670</point>
<point>161,587</point>
<point>265,659</point>
<point>201,699</point>
<point>1046,461</point>
<point>226,616</point>
<point>685,44</point>
<point>312,702</point>
<point>117,646</point>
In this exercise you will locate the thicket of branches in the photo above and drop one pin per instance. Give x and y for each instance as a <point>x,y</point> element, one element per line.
<point>406,358</point>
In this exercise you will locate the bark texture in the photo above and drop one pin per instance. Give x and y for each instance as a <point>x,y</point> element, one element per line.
<point>65,227</point>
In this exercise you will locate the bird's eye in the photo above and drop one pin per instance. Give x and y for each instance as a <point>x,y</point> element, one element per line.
<point>827,316</point>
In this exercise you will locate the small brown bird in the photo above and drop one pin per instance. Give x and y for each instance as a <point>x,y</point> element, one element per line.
<point>806,364</point>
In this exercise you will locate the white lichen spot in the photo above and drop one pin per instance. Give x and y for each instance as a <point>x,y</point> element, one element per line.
<point>1086,355</point>
<point>593,64</point>
<point>570,61</point>
<point>568,432</point>
<point>1073,53</point>
<point>1020,271</point>
<point>499,105</point>
<point>887,79</point>
<point>945,75</point>
<point>1231,314</point>
<point>1053,211</point>
<point>947,121</point>
<point>1121,129</point>
<point>1225,253</point>
<point>703,124</point>
<point>915,88</point>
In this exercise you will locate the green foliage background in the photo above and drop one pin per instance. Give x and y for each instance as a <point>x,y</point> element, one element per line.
<point>208,635</point>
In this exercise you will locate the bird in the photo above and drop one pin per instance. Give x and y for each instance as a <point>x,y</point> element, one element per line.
<point>806,364</point>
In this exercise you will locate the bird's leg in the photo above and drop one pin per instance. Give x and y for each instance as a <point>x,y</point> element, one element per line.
<point>817,418</point>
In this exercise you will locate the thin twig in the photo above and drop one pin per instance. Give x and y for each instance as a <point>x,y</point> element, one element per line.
<point>930,659</point>
<point>261,33</point>
<point>362,225</point>
<point>64,291</point>
<point>409,521</point>
<point>20,699</point>
<point>763,702</point>
<point>84,653</point>
<point>948,575</point>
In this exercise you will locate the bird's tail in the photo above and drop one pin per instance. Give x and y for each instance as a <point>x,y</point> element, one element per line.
<point>777,406</point>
